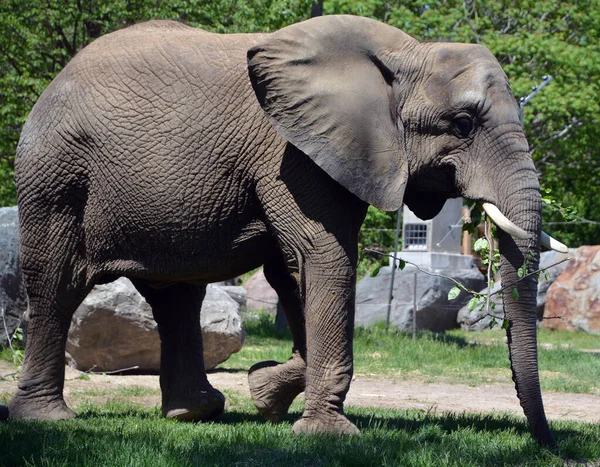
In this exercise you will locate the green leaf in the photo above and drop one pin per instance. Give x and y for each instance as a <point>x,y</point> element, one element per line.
<point>520,272</point>
<point>401,264</point>
<point>454,292</point>
<point>473,303</point>
<point>547,275</point>
<point>376,270</point>
<point>481,244</point>
<point>515,293</point>
<point>505,324</point>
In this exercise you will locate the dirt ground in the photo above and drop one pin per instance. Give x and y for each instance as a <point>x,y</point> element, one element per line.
<point>366,392</point>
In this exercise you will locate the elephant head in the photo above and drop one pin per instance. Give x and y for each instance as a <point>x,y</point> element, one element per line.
<point>394,120</point>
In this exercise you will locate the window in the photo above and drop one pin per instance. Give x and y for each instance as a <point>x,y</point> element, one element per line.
<point>415,237</point>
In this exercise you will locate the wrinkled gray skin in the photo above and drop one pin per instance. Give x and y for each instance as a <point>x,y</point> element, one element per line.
<point>177,157</point>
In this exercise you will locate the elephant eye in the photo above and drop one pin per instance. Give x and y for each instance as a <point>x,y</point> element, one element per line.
<point>463,125</point>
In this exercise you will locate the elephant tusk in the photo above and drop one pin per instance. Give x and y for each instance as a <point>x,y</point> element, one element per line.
<point>501,221</point>
<point>553,244</point>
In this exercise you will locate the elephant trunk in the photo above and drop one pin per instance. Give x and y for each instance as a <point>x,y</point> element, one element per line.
<point>523,207</point>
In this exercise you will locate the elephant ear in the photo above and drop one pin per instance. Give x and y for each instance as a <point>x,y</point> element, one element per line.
<point>326,85</point>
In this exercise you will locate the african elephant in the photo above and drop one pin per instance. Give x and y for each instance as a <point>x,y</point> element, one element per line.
<point>177,157</point>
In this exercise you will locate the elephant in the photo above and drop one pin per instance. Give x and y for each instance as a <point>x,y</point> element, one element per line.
<point>178,157</point>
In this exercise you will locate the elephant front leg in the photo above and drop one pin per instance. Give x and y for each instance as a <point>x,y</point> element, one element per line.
<point>329,307</point>
<point>186,391</point>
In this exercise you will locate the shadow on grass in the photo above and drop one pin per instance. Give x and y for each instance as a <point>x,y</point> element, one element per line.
<point>378,332</point>
<point>142,437</point>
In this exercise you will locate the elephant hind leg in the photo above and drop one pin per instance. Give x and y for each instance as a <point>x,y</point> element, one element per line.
<point>186,392</point>
<point>57,281</point>
<point>273,385</point>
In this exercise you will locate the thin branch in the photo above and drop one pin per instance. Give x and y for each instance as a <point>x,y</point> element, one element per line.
<point>114,371</point>
<point>462,287</point>
<point>568,258</point>
<point>471,322</point>
<point>486,232</point>
<point>92,372</point>
<point>425,271</point>
<point>575,123</point>
<point>8,376</point>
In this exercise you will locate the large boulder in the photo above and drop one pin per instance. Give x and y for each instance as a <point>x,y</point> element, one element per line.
<point>479,319</point>
<point>551,270</point>
<point>13,298</point>
<point>259,294</point>
<point>573,300</point>
<point>113,329</point>
<point>434,311</point>
<point>237,292</point>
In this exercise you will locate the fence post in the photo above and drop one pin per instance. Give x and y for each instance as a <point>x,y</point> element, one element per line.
<point>393,275</point>
<point>414,320</point>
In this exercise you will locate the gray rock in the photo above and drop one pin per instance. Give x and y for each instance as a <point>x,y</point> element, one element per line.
<point>113,329</point>
<point>13,298</point>
<point>259,294</point>
<point>478,320</point>
<point>547,259</point>
<point>434,311</point>
<point>574,297</point>
<point>238,293</point>
<point>222,330</point>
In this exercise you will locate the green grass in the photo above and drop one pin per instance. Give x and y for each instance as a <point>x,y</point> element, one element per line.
<point>8,355</point>
<point>575,340</point>
<point>131,391</point>
<point>452,357</point>
<point>121,433</point>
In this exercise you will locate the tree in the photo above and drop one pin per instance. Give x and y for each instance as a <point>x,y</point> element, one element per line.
<point>530,39</point>
<point>39,37</point>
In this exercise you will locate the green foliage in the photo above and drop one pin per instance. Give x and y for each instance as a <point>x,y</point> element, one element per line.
<point>39,37</point>
<point>378,233</point>
<point>453,293</point>
<point>16,349</point>
<point>531,38</point>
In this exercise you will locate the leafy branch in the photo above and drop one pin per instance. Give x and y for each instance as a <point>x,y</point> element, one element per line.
<point>478,299</point>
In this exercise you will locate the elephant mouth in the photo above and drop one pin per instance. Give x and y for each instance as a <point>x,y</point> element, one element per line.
<point>428,189</point>
<point>426,193</point>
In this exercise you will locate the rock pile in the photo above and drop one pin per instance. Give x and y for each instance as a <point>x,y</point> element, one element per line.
<point>434,311</point>
<point>573,300</point>
<point>113,329</point>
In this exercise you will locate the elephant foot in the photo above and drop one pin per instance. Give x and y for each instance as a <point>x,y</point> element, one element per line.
<point>331,424</point>
<point>25,409</point>
<point>274,386</point>
<point>3,412</point>
<point>206,405</point>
